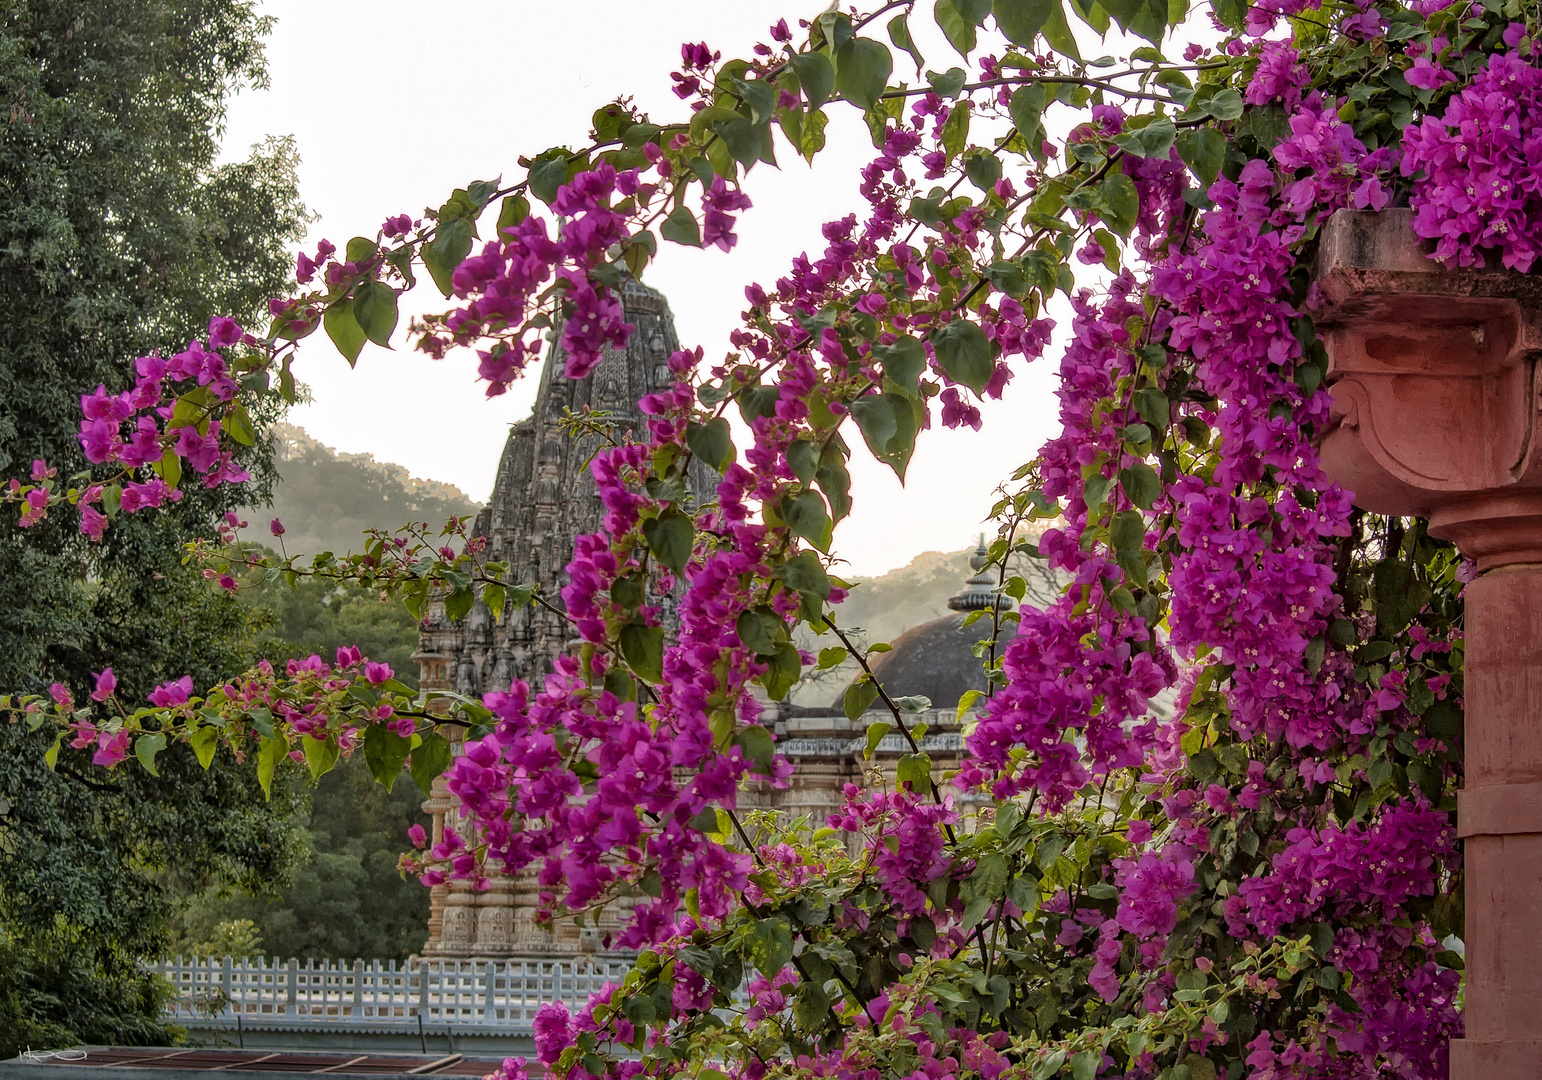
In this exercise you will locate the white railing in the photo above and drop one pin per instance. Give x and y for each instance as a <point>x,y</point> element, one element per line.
<point>488,995</point>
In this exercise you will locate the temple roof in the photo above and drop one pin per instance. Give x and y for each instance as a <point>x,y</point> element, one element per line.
<point>936,660</point>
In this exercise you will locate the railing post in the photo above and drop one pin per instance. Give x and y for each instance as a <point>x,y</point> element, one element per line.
<point>358,989</point>
<point>293,987</point>
<point>226,979</point>
<point>423,989</point>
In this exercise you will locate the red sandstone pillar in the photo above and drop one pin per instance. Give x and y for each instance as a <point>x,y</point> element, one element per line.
<point>1500,817</point>
<point>1435,392</point>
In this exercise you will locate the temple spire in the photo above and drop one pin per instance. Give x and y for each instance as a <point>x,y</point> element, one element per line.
<point>979,593</point>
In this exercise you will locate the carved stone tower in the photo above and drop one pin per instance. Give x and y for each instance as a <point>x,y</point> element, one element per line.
<point>543,497</point>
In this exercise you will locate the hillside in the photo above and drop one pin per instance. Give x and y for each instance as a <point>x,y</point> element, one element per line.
<point>326,499</point>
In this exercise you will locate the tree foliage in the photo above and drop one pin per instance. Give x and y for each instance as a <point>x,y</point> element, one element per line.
<point>119,234</point>
<point>347,898</point>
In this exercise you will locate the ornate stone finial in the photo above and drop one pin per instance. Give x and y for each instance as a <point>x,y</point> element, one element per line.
<point>980,591</point>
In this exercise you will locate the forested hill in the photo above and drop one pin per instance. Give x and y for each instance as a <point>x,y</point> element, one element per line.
<point>326,499</point>
<point>888,605</point>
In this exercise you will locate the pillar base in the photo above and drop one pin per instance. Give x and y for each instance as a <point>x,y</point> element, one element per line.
<point>1512,1059</point>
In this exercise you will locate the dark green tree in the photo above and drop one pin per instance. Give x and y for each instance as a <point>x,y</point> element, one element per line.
<point>348,899</point>
<point>318,616</point>
<point>119,234</point>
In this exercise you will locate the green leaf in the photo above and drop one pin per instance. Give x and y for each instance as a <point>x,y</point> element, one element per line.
<point>1226,104</point>
<point>1027,108</point>
<point>813,138</point>
<point>805,514</point>
<point>770,944</point>
<point>1203,150</point>
<point>875,417</point>
<point>816,75</point>
<point>835,482</point>
<point>786,665</point>
<point>273,751</point>
<point>1146,18</point>
<point>1152,141</point>
<point>1120,203</point>
<point>1057,32</point>
<point>670,537</point>
<point>964,352</point>
<point>344,330</point>
<point>429,760</point>
<point>949,83</point>
<point>1094,491</point>
<point>385,752</point>
<point>955,131</point>
<point>983,169</point>
<point>457,605</point>
<point>450,246</point>
<point>990,876</point>
<point>546,176</point>
<point>51,755</point>
<point>1141,485</point>
<point>758,746</point>
<point>859,697</point>
<point>320,755</point>
<point>145,749</point>
<point>862,71</point>
<point>803,573</point>
<point>803,460</point>
<point>638,250</point>
<point>711,442</point>
<point>629,589</point>
<point>759,630</point>
<point>888,425</point>
<point>515,209</point>
<point>360,249</point>
<point>1049,852</point>
<point>1084,1066</point>
<point>955,26</point>
<point>401,259</point>
<point>493,596</point>
<point>238,425</point>
<point>757,401</point>
<point>1128,531</point>
<point>903,363</point>
<point>1153,407</point>
<point>811,1007</point>
<point>834,656</point>
<point>899,33</point>
<point>643,648</point>
<point>206,740</point>
<point>1022,20</point>
<point>875,734</point>
<point>478,192</point>
<point>681,227</point>
<point>914,769</point>
<point>374,309</point>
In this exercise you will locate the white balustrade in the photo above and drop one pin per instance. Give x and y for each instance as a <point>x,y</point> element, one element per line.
<point>472,995</point>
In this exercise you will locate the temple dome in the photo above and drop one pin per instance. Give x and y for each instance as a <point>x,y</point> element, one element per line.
<point>936,660</point>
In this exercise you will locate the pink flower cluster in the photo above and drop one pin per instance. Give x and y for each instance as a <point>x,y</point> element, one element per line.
<point>1475,189</point>
<point>502,283</point>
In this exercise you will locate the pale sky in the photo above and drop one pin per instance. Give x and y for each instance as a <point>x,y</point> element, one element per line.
<point>396,102</point>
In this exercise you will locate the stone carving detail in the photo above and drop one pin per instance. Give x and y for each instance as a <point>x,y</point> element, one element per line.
<point>458,920</point>
<point>495,928</point>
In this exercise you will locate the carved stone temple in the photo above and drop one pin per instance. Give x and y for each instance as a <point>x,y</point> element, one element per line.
<point>543,497</point>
